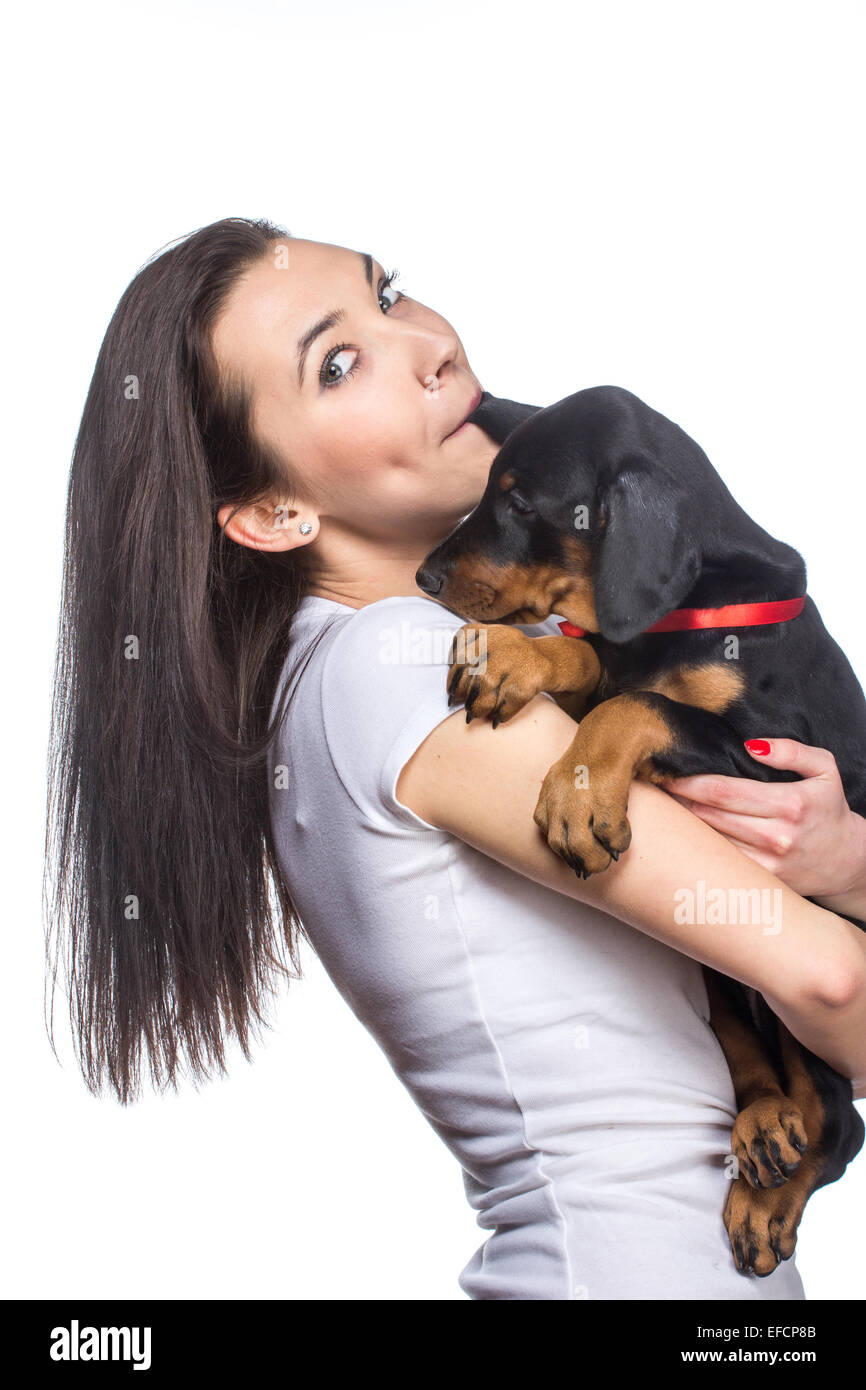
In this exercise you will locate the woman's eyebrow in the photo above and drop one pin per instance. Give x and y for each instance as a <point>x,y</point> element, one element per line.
<point>329,321</point>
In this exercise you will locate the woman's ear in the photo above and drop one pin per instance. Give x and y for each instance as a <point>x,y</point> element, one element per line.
<point>647,557</point>
<point>268,526</point>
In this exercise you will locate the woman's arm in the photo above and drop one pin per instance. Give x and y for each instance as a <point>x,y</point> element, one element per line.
<point>481,784</point>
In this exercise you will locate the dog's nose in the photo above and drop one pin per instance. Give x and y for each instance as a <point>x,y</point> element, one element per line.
<point>429,582</point>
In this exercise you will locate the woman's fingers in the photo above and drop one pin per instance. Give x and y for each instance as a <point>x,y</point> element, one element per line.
<point>767,861</point>
<point>793,756</point>
<point>763,832</point>
<point>736,794</point>
<point>748,796</point>
<point>803,831</point>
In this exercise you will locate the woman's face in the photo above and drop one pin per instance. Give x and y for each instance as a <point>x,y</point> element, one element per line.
<point>364,410</point>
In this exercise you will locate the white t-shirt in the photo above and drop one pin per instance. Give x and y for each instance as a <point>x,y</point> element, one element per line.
<point>564,1057</point>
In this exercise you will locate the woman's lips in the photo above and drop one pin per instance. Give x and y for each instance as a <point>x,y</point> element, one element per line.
<point>476,400</point>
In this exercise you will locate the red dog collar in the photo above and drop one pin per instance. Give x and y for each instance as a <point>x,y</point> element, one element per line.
<point>733,615</point>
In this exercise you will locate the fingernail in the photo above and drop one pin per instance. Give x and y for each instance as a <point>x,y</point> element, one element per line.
<point>758,745</point>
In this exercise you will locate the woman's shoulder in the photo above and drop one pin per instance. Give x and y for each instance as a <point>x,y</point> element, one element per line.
<point>405,630</point>
<point>371,689</point>
<point>384,680</point>
<point>382,688</point>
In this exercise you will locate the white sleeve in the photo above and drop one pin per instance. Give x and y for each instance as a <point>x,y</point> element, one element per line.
<point>383,691</point>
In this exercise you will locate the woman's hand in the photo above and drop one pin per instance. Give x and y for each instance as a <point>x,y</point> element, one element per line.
<point>803,832</point>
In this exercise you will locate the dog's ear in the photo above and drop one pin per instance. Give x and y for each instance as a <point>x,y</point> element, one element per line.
<point>648,558</point>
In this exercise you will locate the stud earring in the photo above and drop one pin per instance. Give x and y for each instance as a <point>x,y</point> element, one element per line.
<point>305,528</point>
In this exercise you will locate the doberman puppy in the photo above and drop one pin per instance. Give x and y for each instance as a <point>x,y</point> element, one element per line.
<point>602,510</point>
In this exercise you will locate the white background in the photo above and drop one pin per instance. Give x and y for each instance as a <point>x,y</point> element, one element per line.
<point>665,196</point>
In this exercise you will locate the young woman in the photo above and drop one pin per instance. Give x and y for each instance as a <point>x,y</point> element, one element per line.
<point>252,740</point>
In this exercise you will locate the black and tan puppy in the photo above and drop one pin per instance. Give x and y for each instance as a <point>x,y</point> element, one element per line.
<point>692,630</point>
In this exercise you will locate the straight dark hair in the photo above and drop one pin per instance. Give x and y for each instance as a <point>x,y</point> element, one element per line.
<point>162,888</point>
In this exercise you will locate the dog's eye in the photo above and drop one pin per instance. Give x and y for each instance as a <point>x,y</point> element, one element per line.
<point>518,502</point>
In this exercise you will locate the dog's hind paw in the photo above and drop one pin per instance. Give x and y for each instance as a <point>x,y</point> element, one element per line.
<point>768,1140</point>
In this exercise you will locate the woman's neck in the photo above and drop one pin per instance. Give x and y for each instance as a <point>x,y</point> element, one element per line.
<point>357,591</point>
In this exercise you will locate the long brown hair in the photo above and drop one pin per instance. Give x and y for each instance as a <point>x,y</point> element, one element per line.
<point>162,888</point>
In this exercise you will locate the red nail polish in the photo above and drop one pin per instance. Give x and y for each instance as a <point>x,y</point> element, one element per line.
<point>758,745</point>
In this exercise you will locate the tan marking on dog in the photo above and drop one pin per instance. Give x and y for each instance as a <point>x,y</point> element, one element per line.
<point>752,1071</point>
<point>712,687</point>
<point>575,667</point>
<point>766,1116</point>
<point>800,1085</point>
<point>769,1217</point>
<point>621,737</point>
<point>506,481</point>
<point>577,604</point>
<point>615,742</point>
<point>484,592</point>
<point>515,668</point>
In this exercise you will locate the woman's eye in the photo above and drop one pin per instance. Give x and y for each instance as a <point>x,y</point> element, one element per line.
<point>388,284</point>
<point>332,360</point>
<point>388,288</point>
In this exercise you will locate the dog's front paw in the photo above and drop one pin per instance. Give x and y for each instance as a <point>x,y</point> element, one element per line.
<point>495,671</point>
<point>767,1140</point>
<point>586,825</point>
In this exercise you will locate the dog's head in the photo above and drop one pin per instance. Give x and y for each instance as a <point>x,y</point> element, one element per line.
<point>595,508</point>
